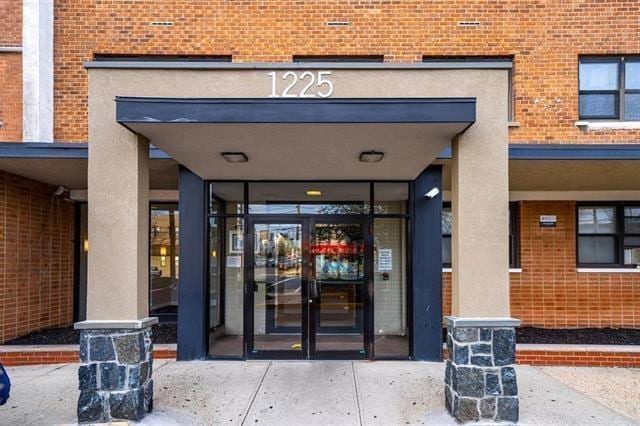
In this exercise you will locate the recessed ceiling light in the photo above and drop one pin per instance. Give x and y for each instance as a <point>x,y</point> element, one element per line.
<point>313,193</point>
<point>235,157</point>
<point>371,156</point>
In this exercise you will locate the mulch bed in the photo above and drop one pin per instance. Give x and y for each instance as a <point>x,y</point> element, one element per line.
<point>167,333</point>
<point>162,333</point>
<point>580,336</point>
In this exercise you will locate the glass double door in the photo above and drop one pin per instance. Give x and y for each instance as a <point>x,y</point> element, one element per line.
<point>307,288</point>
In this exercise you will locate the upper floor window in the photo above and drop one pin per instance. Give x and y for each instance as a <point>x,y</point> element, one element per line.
<point>514,258</point>
<point>610,88</point>
<point>609,235</point>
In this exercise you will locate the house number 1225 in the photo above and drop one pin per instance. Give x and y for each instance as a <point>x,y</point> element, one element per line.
<point>305,85</point>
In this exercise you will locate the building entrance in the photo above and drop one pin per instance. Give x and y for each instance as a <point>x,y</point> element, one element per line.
<point>310,279</point>
<point>294,268</point>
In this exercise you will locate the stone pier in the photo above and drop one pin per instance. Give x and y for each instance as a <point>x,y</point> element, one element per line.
<point>115,375</point>
<point>480,380</point>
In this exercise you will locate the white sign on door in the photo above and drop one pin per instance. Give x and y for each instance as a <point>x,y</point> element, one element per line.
<point>385,260</point>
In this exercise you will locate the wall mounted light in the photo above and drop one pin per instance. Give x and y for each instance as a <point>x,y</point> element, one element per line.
<point>371,156</point>
<point>85,245</point>
<point>235,157</point>
<point>313,192</point>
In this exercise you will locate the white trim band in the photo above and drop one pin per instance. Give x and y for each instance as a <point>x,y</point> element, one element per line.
<point>608,125</point>
<point>10,49</point>
<point>608,270</point>
<point>115,324</point>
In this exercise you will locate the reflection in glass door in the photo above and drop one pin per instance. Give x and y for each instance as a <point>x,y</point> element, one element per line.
<point>307,288</point>
<point>337,289</point>
<point>277,287</point>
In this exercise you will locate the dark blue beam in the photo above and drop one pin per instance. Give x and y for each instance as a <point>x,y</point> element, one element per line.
<point>279,110</point>
<point>567,152</point>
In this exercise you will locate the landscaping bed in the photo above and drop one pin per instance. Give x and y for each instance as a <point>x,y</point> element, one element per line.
<point>579,336</point>
<point>162,333</point>
<point>167,333</point>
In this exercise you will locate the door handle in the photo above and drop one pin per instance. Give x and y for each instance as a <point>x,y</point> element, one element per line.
<point>313,289</point>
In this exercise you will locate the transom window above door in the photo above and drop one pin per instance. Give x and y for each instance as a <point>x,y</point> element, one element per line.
<point>609,88</point>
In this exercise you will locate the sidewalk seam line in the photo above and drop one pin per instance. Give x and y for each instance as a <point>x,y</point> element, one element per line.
<point>355,384</point>
<point>255,394</point>
<point>15,385</point>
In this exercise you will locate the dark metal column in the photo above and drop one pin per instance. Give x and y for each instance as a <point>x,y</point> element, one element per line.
<point>192,289</point>
<point>427,266</point>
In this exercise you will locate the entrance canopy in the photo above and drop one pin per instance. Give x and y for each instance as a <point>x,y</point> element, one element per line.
<point>299,138</point>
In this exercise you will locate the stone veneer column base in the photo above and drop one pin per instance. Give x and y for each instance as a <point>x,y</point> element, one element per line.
<point>480,381</point>
<point>115,374</point>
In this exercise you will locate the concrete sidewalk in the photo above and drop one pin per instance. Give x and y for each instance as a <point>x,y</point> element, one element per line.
<point>328,393</point>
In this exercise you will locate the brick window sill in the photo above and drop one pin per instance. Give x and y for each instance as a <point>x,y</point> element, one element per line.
<point>608,125</point>
<point>609,270</point>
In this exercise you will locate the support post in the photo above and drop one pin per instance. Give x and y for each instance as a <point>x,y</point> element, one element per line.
<point>480,381</point>
<point>426,255</point>
<point>116,353</point>
<point>192,296</point>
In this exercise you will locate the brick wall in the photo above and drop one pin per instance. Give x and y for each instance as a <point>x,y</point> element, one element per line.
<point>36,257</point>
<point>10,97</point>
<point>544,38</point>
<point>10,71</point>
<point>11,28</point>
<point>549,292</point>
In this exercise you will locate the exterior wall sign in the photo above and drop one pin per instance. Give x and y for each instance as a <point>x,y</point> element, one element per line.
<point>385,260</point>
<point>547,221</point>
<point>306,84</point>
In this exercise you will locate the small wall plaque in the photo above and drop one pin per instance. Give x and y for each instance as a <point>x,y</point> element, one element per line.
<point>548,221</point>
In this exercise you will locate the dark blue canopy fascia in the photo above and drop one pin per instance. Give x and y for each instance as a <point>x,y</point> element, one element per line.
<point>58,150</point>
<point>279,110</point>
<point>567,152</point>
<point>74,150</point>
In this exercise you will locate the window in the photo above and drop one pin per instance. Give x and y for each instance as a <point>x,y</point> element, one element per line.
<point>164,261</point>
<point>609,235</point>
<point>609,88</point>
<point>514,258</point>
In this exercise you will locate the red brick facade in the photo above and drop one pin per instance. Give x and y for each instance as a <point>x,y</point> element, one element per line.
<point>10,71</point>
<point>549,292</point>
<point>544,38</point>
<point>36,257</point>
<point>10,97</point>
<point>11,30</point>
